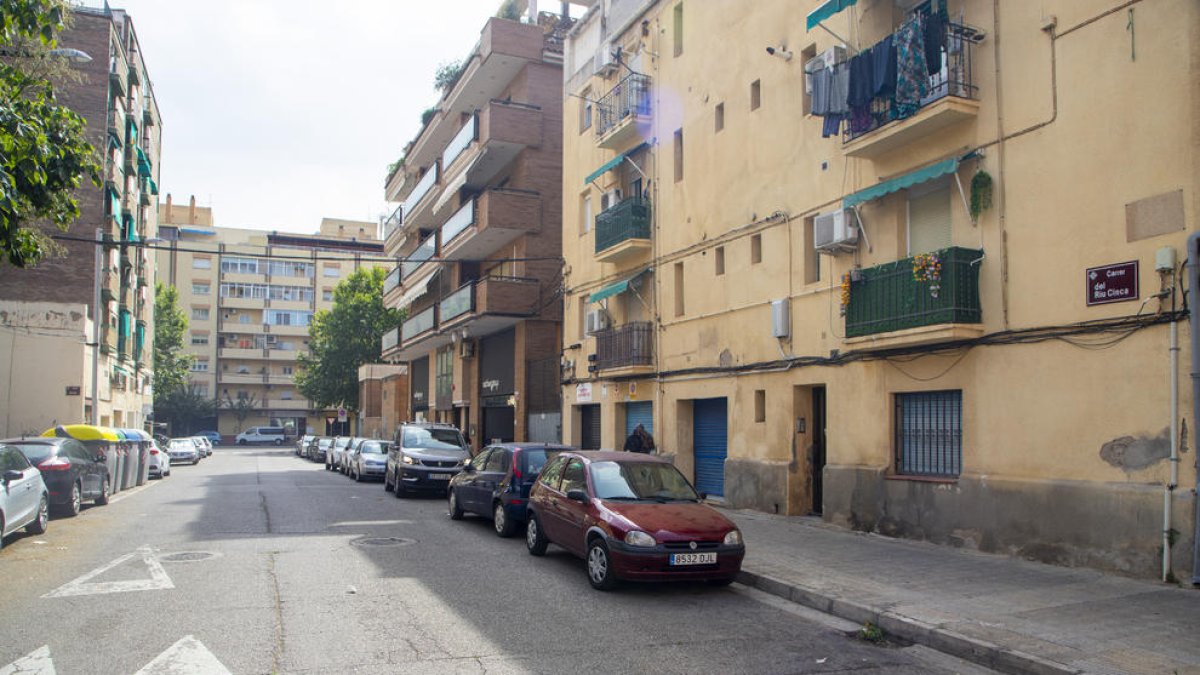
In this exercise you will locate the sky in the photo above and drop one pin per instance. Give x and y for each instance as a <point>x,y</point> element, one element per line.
<point>278,113</point>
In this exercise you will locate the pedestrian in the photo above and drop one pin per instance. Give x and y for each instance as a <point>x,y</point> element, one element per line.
<point>639,441</point>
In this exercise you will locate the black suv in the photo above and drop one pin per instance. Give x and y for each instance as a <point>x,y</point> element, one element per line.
<point>424,457</point>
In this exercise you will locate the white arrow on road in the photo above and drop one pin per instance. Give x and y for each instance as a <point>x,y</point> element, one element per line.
<point>84,586</point>
<point>38,662</point>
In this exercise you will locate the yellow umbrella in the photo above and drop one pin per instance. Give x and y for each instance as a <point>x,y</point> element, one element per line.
<point>82,432</point>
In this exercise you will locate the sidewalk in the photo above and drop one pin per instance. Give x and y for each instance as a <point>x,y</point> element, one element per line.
<point>1012,615</point>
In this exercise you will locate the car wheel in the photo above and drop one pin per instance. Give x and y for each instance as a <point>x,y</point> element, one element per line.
<point>456,512</point>
<point>241,441</point>
<point>387,481</point>
<point>535,541</point>
<point>501,522</point>
<point>401,489</point>
<point>357,476</point>
<point>38,526</point>
<point>103,498</point>
<point>278,441</point>
<point>599,566</point>
<point>72,507</point>
<point>1,531</point>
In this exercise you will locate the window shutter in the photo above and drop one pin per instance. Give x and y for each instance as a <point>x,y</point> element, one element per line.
<point>929,221</point>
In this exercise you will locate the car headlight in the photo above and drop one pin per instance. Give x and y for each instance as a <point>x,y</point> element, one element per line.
<point>639,538</point>
<point>407,460</point>
<point>733,538</point>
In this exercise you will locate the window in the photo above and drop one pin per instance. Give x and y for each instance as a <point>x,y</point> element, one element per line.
<point>928,217</point>
<point>239,265</point>
<point>756,249</point>
<point>720,260</point>
<point>286,370</point>
<point>678,155</point>
<point>200,313</point>
<point>327,295</point>
<point>199,339</point>
<point>201,264</point>
<point>585,112</point>
<point>286,395</point>
<point>244,318</point>
<point>200,389</point>
<point>200,289</point>
<point>552,472</point>
<point>755,94</point>
<point>760,405</point>
<point>806,55</point>
<point>677,23</point>
<point>719,117</point>
<point>929,434</point>
<point>573,477</point>
<point>585,214</point>
<point>678,289</point>
<point>199,366</point>
<point>331,271</point>
<point>812,259</point>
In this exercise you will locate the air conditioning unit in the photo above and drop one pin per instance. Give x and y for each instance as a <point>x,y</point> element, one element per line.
<point>466,349</point>
<point>596,320</point>
<point>604,62</point>
<point>835,231</point>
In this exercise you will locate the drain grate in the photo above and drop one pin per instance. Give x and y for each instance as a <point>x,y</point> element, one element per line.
<point>186,556</point>
<point>382,541</point>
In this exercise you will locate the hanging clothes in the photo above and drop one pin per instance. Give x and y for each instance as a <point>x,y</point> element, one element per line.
<point>935,41</point>
<point>839,90</point>
<point>883,70</point>
<point>861,91</point>
<point>821,83</point>
<point>832,126</point>
<point>912,77</point>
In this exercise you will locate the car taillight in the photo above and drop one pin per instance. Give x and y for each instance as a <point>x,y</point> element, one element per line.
<point>55,464</point>
<point>153,451</point>
<point>516,462</point>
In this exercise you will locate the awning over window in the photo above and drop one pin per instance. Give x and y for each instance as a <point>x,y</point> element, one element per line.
<point>197,230</point>
<point>908,180</point>
<point>826,10</point>
<point>614,288</point>
<point>415,291</point>
<point>611,164</point>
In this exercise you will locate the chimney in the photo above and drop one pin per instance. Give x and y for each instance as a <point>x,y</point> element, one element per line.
<point>192,210</point>
<point>169,220</point>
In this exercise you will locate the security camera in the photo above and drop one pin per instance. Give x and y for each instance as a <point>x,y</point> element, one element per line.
<point>781,53</point>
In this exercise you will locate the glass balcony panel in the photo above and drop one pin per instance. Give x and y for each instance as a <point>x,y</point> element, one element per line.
<point>461,141</point>
<point>418,323</point>
<point>414,260</point>
<point>421,189</point>
<point>392,281</point>
<point>457,303</point>
<point>464,218</point>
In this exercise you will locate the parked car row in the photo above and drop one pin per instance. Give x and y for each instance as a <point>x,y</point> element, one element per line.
<point>630,516</point>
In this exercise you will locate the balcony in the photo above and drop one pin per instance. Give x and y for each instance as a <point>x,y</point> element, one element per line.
<point>285,330</point>
<point>414,260</point>
<point>628,348</point>
<point>227,302</point>
<point>287,404</point>
<point>497,217</point>
<point>500,131</point>
<point>276,354</point>
<point>390,340</point>
<point>951,99</point>
<point>242,353</point>
<point>116,125</point>
<point>421,322</point>
<point>414,203</point>
<point>623,231</point>
<point>393,222</point>
<point>118,73</point>
<point>624,112</point>
<point>239,377</point>
<point>889,298</point>
<point>490,296</point>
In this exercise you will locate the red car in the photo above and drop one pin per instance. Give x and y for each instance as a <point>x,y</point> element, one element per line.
<point>631,517</point>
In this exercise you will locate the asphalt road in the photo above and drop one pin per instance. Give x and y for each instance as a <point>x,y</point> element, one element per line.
<point>256,561</point>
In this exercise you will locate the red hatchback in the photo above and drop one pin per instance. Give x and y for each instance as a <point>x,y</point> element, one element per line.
<point>633,517</point>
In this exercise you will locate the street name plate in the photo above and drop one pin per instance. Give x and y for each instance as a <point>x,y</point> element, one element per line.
<point>1112,283</point>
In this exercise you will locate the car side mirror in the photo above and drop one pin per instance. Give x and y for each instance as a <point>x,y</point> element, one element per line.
<point>10,476</point>
<point>577,495</point>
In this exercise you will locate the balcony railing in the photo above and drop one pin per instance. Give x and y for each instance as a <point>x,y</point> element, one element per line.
<point>457,303</point>
<point>890,297</point>
<point>461,141</point>
<point>423,252</point>
<point>953,79</point>
<point>390,339</point>
<point>392,281</point>
<point>418,323</point>
<point>628,345</point>
<point>629,219</point>
<point>630,96</point>
<point>393,221</point>
<point>461,220</point>
<point>421,189</point>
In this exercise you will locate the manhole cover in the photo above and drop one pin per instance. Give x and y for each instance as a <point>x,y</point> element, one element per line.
<point>382,541</point>
<point>186,556</point>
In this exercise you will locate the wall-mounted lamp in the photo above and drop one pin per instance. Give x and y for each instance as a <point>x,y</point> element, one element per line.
<point>781,52</point>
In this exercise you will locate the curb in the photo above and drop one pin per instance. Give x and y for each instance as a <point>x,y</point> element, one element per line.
<point>977,651</point>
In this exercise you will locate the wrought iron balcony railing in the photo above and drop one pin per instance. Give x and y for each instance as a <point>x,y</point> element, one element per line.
<point>624,346</point>
<point>630,96</point>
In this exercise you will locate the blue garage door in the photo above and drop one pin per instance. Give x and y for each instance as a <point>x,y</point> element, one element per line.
<point>710,429</point>
<point>641,412</point>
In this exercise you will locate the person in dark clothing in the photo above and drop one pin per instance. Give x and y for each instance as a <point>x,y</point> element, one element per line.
<point>639,441</point>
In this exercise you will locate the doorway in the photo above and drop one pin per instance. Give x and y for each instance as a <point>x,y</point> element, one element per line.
<point>818,450</point>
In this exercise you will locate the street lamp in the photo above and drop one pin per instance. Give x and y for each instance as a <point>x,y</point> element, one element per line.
<point>75,56</point>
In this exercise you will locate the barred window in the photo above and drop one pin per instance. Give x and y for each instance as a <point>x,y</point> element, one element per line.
<point>929,434</point>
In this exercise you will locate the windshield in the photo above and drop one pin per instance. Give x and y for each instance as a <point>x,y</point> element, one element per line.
<point>35,452</point>
<point>324,442</point>
<point>375,447</point>
<point>433,439</point>
<point>640,480</point>
<point>184,444</point>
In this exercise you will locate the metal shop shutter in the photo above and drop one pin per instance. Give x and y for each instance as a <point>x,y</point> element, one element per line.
<point>710,428</point>
<point>641,412</point>
<point>589,421</point>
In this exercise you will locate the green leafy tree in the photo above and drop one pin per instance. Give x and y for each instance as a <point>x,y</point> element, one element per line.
<point>183,409</point>
<point>344,338</point>
<point>242,407</point>
<point>171,364</point>
<point>44,154</point>
<point>510,10</point>
<point>447,75</point>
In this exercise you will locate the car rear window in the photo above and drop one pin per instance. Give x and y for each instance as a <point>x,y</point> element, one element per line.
<point>35,452</point>
<point>376,447</point>
<point>533,459</point>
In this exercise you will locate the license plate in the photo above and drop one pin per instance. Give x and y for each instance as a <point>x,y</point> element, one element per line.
<point>693,558</point>
<point>440,476</point>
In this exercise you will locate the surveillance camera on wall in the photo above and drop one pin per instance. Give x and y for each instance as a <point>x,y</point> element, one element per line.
<point>781,53</point>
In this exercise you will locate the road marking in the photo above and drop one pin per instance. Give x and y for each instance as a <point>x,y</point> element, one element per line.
<point>37,662</point>
<point>131,492</point>
<point>186,657</point>
<point>84,586</point>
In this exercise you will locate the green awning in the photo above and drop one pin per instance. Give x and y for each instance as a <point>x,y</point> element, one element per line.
<point>614,288</point>
<point>826,10</point>
<point>908,180</point>
<point>611,164</point>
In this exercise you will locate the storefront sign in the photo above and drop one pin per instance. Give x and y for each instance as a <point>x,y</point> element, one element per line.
<point>583,392</point>
<point>491,385</point>
<point>72,391</point>
<point>1112,283</point>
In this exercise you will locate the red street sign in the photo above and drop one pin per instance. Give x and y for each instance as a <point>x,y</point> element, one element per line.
<point>1112,283</point>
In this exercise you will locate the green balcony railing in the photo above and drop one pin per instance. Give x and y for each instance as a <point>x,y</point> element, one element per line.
<point>417,324</point>
<point>889,297</point>
<point>630,219</point>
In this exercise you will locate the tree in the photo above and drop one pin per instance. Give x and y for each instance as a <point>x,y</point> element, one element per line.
<point>182,409</point>
<point>171,364</point>
<point>510,10</point>
<point>242,407</point>
<point>447,74</point>
<point>44,154</point>
<point>344,338</point>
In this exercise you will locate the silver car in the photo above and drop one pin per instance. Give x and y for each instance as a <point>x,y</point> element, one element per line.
<point>333,457</point>
<point>183,450</point>
<point>24,500</point>
<point>368,459</point>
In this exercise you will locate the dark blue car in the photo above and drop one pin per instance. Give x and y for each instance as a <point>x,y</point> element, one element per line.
<point>496,483</point>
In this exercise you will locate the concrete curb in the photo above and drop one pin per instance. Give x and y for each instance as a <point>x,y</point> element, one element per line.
<point>977,651</point>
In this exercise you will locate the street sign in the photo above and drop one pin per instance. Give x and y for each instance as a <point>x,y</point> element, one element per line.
<point>341,414</point>
<point>1117,282</point>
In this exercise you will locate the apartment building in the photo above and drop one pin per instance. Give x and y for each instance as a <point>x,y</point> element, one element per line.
<point>912,266</point>
<point>478,236</point>
<point>57,300</point>
<point>249,296</point>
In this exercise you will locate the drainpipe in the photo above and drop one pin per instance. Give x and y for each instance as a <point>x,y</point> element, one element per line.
<point>1169,492</point>
<point>1193,276</point>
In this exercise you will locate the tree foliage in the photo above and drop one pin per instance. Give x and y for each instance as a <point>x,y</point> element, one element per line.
<point>510,10</point>
<point>183,409</point>
<point>171,364</point>
<point>344,338</point>
<point>447,74</point>
<point>44,152</point>
<point>242,407</point>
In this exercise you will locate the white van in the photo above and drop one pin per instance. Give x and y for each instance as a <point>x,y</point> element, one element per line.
<point>260,435</point>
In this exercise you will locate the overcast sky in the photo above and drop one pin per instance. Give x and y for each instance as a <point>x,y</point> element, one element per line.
<point>277,114</point>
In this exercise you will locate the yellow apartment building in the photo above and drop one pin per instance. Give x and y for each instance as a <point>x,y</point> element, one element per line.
<point>912,266</point>
<point>249,296</point>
